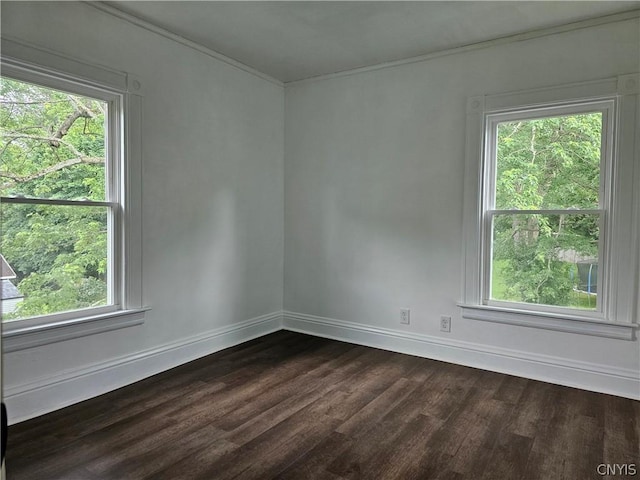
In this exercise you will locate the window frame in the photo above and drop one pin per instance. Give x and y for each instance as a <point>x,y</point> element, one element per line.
<point>615,316</point>
<point>605,106</point>
<point>112,201</point>
<point>123,92</point>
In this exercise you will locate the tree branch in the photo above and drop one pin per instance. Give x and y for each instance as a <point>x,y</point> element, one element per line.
<point>13,136</point>
<point>80,112</point>
<point>13,178</point>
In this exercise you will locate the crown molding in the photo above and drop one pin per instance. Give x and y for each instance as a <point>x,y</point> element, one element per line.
<point>532,34</point>
<point>108,9</point>
<point>519,37</point>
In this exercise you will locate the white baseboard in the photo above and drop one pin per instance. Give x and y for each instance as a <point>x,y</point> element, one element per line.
<point>562,371</point>
<point>42,396</point>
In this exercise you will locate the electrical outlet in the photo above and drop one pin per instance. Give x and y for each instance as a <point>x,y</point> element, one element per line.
<point>445,323</point>
<point>405,316</point>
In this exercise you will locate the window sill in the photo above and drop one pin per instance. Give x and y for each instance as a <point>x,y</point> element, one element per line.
<point>21,338</point>
<point>550,321</point>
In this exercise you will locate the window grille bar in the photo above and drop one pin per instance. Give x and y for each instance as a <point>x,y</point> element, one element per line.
<point>56,201</point>
<point>567,211</point>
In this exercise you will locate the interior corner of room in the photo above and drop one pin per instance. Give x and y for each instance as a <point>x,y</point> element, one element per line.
<point>329,203</point>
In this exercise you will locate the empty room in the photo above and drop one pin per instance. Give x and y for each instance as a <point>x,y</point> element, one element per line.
<point>320,240</point>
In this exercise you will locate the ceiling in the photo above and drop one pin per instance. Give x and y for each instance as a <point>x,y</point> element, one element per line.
<point>296,40</point>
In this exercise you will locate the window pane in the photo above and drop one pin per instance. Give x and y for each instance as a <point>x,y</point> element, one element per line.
<point>545,259</point>
<point>52,143</point>
<point>59,255</point>
<point>549,163</point>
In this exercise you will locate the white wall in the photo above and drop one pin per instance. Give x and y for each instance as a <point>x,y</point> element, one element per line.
<point>374,166</point>
<point>212,192</point>
<point>372,216</point>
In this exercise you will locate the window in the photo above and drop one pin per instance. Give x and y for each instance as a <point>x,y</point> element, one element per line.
<point>546,206</point>
<point>60,192</point>
<point>548,237</point>
<point>70,216</point>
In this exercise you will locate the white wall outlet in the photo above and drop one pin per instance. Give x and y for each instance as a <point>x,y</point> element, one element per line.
<point>405,316</point>
<point>445,323</point>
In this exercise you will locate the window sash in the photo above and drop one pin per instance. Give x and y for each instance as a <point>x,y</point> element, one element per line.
<point>487,263</point>
<point>605,106</point>
<point>114,177</point>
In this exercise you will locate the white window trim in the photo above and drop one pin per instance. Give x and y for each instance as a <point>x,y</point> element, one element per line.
<point>618,316</point>
<point>31,64</point>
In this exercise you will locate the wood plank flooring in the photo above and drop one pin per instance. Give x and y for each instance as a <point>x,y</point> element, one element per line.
<point>291,406</point>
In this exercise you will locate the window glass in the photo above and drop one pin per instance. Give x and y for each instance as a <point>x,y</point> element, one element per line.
<point>546,259</point>
<point>550,168</point>
<point>549,163</point>
<point>56,225</point>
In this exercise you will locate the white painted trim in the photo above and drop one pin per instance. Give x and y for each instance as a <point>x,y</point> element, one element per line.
<point>519,37</point>
<point>550,321</point>
<point>45,395</point>
<point>21,337</point>
<point>29,63</point>
<point>629,84</point>
<point>43,61</point>
<point>553,96</point>
<point>558,370</point>
<point>619,257</point>
<point>127,17</point>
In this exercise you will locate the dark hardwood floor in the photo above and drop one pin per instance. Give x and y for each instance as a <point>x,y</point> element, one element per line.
<point>291,406</point>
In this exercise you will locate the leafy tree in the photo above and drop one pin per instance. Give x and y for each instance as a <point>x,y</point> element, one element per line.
<point>52,146</point>
<point>552,164</point>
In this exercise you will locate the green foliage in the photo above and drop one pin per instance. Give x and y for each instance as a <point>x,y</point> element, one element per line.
<point>529,247</point>
<point>549,163</point>
<point>52,145</point>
